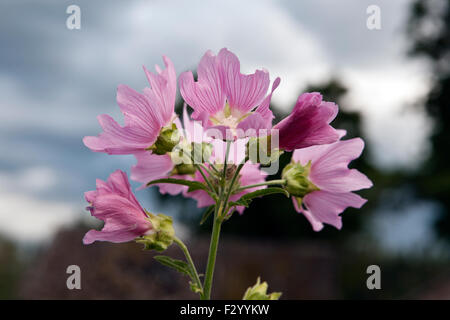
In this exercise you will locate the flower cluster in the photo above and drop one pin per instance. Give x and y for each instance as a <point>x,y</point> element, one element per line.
<point>215,155</point>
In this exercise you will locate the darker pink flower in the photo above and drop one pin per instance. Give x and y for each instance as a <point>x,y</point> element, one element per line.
<point>115,204</point>
<point>328,171</point>
<point>145,115</point>
<point>224,98</point>
<point>308,124</point>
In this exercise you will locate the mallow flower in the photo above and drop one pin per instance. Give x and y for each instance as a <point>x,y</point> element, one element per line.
<point>308,124</point>
<point>321,184</point>
<point>224,98</point>
<point>114,203</point>
<point>148,117</point>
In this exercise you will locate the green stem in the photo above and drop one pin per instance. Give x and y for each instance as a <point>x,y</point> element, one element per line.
<point>267,183</point>
<point>233,180</point>
<point>190,263</point>
<point>211,258</point>
<point>205,178</point>
<point>206,169</point>
<point>226,160</point>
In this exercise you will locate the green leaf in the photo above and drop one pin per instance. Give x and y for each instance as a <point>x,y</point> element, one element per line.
<point>207,214</point>
<point>178,265</point>
<point>193,185</point>
<point>262,192</point>
<point>246,199</point>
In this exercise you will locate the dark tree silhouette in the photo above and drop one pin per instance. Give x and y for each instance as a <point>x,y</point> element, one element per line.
<point>429,28</point>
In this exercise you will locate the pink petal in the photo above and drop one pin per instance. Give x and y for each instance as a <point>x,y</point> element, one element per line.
<point>174,189</point>
<point>151,167</point>
<point>316,224</point>
<point>205,96</point>
<point>244,92</point>
<point>326,206</point>
<point>163,89</point>
<point>308,124</point>
<point>120,140</point>
<point>329,171</point>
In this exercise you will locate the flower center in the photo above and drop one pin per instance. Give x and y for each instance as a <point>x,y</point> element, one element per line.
<point>228,117</point>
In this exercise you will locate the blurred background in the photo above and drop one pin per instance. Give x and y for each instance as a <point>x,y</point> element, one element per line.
<point>393,88</point>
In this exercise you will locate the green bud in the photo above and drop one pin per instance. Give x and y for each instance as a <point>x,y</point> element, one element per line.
<point>168,138</point>
<point>259,292</point>
<point>183,168</point>
<point>260,150</point>
<point>297,182</point>
<point>201,152</point>
<point>163,233</point>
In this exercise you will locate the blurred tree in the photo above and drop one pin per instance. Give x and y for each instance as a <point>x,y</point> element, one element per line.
<point>10,269</point>
<point>429,28</point>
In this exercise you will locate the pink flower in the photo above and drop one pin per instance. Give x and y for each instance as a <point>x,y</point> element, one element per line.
<point>308,124</point>
<point>114,203</point>
<point>145,115</point>
<point>223,97</point>
<point>329,172</point>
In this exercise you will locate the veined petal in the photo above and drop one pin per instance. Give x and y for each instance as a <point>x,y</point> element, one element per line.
<point>308,124</point>
<point>315,223</point>
<point>162,93</point>
<point>114,203</point>
<point>262,117</point>
<point>119,140</point>
<point>244,92</point>
<point>330,172</point>
<point>326,206</point>
<point>151,167</point>
<point>205,96</point>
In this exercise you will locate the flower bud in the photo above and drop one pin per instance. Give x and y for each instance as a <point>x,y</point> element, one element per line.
<point>259,292</point>
<point>162,234</point>
<point>201,152</point>
<point>262,150</point>
<point>297,182</point>
<point>168,138</point>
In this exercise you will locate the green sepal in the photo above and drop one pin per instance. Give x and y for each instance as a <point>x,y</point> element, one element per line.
<point>162,234</point>
<point>167,139</point>
<point>297,179</point>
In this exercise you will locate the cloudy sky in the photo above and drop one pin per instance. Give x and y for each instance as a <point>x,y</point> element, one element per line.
<point>55,81</point>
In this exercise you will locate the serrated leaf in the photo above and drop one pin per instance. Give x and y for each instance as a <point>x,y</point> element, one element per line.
<point>206,215</point>
<point>193,185</point>
<point>178,265</point>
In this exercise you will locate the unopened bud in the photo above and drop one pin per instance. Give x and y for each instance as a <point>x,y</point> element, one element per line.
<point>297,182</point>
<point>168,138</point>
<point>259,292</point>
<point>162,234</point>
